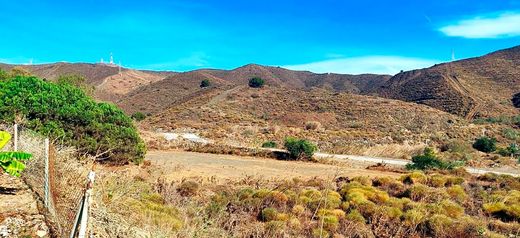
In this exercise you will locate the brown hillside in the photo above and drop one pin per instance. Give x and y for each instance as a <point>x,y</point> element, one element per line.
<point>170,91</point>
<point>336,121</point>
<point>476,87</point>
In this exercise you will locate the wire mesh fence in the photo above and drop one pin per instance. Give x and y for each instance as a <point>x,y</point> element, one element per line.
<point>56,177</point>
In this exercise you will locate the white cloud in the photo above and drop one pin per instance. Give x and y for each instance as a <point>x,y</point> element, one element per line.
<point>365,64</point>
<point>195,60</point>
<point>490,26</point>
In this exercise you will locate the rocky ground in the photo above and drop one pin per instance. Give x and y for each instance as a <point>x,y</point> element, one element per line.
<point>19,215</point>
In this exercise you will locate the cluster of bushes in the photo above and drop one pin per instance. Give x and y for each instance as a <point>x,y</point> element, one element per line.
<point>415,205</point>
<point>64,112</point>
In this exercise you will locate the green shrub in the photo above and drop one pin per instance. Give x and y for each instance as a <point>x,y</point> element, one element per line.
<point>256,82</point>
<point>138,116</point>
<point>269,144</point>
<point>300,149</point>
<point>64,112</point>
<point>205,83</point>
<point>76,81</point>
<point>428,160</point>
<point>485,144</point>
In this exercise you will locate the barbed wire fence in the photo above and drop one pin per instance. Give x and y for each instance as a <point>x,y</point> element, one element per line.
<point>58,179</point>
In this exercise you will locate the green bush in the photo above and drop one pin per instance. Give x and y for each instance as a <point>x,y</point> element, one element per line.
<point>512,150</point>
<point>256,82</point>
<point>64,112</point>
<point>300,149</point>
<point>138,116</point>
<point>205,83</point>
<point>428,160</point>
<point>269,144</point>
<point>77,81</point>
<point>485,144</point>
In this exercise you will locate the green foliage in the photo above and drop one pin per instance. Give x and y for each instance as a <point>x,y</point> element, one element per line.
<point>11,162</point>
<point>511,134</point>
<point>269,144</point>
<point>76,81</point>
<point>205,83</point>
<point>62,111</point>
<point>485,144</point>
<point>513,150</point>
<point>3,75</point>
<point>428,160</point>
<point>138,116</point>
<point>256,82</point>
<point>299,148</point>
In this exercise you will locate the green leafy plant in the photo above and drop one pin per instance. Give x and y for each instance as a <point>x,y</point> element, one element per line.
<point>11,162</point>
<point>256,82</point>
<point>205,83</point>
<point>485,144</point>
<point>65,112</point>
<point>299,148</point>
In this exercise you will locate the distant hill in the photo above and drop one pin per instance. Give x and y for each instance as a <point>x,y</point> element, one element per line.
<point>476,87</point>
<point>160,95</point>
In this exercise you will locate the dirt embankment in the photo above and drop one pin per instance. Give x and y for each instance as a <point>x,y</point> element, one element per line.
<point>19,215</point>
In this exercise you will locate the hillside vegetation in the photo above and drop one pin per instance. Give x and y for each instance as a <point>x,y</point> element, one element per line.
<point>65,113</point>
<point>415,205</point>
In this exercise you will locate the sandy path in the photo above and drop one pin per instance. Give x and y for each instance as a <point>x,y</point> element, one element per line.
<point>180,164</point>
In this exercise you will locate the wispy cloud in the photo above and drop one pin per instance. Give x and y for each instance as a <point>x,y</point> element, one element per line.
<point>365,64</point>
<point>497,25</point>
<point>195,60</point>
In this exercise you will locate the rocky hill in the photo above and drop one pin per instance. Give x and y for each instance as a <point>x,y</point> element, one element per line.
<point>476,87</point>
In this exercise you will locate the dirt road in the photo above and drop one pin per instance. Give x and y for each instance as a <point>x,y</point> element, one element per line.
<point>180,164</point>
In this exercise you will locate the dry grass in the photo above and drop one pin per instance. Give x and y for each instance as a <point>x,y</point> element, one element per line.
<point>252,207</point>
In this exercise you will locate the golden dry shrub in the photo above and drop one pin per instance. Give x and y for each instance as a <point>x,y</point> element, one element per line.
<point>320,233</point>
<point>437,180</point>
<point>451,209</point>
<point>414,178</point>
<point>311,198</point>
<point>457,193</point>
<point>418,192</point>
<point>414,216</point>
<point>278,198</point>
<point>358,194</point>
<point>364,180</point>
<point>312,125</point>
<point>268,214</point>
<point>455,180</point>
<point>355,216</point>
<point>440,225</point>
<point>298,210</point>
<point>188,188</point>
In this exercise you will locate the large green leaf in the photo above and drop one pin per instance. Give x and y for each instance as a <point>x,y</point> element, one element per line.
<point>14,168</point>
<point>4,138</point>
<point>6,156</point>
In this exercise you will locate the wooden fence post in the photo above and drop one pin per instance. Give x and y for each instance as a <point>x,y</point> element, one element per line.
<point>84,213</point>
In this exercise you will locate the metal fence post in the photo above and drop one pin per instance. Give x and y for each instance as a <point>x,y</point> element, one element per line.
<point>46,187</point>
<point>15,137</point>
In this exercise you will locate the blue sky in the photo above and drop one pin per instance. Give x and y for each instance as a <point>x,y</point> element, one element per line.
<point>321,36</point>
